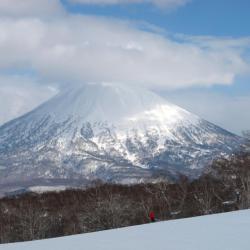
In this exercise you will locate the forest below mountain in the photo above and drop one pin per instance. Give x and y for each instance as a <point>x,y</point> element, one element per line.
<point>225,186</point>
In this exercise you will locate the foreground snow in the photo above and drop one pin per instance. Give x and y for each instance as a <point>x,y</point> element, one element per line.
<point>228,231</point>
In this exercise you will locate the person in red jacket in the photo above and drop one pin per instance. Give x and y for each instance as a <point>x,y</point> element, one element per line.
<point>152,216</point>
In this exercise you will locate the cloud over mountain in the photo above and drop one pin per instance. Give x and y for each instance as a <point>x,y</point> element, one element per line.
<point>41,40</point>
<point>86,48</point>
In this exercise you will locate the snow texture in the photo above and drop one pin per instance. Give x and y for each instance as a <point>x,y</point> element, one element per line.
<point>42,189</point>
<point>229,231</point>
<point>109,132</point>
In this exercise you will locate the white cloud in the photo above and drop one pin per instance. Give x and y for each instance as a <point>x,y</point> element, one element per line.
<point>159,3</point>
<point>35,8</point>
<point>229,112</point>
<point>85,49</point>
<point>20,94</point>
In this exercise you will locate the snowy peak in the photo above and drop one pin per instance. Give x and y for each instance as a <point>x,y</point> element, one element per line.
<point>109,132</point>
<point>100,102</point>
<point>113,104</point>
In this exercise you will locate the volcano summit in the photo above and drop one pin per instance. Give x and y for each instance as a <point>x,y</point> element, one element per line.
<point>108,132</point>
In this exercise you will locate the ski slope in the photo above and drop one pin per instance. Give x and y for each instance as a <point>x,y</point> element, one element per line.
<point>229,231</point>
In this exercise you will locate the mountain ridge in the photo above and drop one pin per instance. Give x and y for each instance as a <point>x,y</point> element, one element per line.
<point>109,132</point>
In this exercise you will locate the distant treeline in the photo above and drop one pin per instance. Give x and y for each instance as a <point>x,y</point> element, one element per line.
<point>225,187</point>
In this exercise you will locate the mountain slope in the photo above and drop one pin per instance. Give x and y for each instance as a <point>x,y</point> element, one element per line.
<point>110,132</point>
<point>229,231</point>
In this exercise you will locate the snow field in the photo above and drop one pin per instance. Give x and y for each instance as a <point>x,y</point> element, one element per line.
<point>228,231</point>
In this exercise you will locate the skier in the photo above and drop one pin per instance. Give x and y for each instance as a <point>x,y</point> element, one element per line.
<point>152,216</point>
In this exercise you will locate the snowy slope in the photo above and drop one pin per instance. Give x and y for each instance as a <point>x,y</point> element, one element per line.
<point>229,231</point>
<point>109,132</point>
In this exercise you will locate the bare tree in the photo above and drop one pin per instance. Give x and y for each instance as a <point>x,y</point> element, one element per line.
<point>205,195</point>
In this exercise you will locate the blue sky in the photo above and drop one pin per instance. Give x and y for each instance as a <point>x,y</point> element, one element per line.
<point>198,17</point>
<point>195,53</point>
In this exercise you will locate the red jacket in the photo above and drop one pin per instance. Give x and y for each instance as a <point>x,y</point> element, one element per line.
<point>152,216</point>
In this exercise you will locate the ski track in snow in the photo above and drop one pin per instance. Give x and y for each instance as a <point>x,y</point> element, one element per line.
<point>228,231</point>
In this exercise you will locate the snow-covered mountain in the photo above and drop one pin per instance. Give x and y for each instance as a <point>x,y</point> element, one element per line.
<point>108,132</point>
